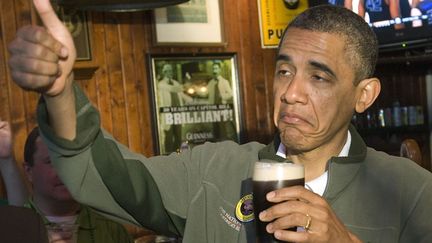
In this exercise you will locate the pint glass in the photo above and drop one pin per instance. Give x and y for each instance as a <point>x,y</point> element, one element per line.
<point>269,176</point>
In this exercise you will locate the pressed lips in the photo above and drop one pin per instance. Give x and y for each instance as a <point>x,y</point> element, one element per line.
<point>292,118</point>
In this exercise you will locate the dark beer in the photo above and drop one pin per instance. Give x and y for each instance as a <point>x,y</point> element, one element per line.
<point>267,178</point>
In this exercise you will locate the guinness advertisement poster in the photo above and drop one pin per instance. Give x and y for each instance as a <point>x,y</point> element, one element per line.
<point>195,99</point>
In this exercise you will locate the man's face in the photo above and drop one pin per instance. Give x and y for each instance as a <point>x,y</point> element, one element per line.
<point>216,70</point>
<point>314,94</point>
<point>167,71</point>
<point>44,178</point>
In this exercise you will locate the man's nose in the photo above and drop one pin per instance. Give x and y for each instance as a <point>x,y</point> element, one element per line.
<point>294,91</point>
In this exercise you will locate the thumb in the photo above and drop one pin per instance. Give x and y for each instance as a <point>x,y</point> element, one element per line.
<point>59,32</point>
<point>47,15</point>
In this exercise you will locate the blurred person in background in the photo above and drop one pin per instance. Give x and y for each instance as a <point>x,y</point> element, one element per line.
<point>52,200</point>
<point>17,193</point>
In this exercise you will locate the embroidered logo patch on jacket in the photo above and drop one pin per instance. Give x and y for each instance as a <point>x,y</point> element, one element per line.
<point>244,209</point>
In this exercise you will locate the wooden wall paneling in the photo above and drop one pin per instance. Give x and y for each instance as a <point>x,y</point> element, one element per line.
<point>115,76</point>
<point>268,63</point>
<point>103,96</point>
<point>5,6</point>
<point>16,96</point>
<point>8,33</point>
<point>266,66</point>
<point>257,63</point>
<point>89,88</point>
<point>142,34</point>
<point>26,17</point>
<point>127,47</point>
<point>239,39</point>
<point>15,105</point>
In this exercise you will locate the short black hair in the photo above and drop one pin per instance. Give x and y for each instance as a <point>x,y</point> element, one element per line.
<point>30,146</point>
<point>361,43</point>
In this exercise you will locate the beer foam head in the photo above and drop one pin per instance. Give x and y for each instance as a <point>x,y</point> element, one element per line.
<point>271,171</point>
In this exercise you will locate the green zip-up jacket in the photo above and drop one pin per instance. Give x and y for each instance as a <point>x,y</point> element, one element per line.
<point>93,228</point>
<point>194,194</point>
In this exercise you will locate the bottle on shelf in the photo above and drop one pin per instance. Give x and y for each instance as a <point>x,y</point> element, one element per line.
<point>404,115</point>
<point>388,118</point>
<point>420,115</point>
<point>397,118</point>
<point>381,118</point>
<point>412,115</point>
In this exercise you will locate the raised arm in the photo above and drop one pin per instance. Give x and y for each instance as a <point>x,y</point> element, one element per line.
<point>394,8</point>
<point>41,60</point>
<point>17,193</point>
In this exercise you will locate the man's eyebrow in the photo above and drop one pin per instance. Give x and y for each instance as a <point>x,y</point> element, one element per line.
<point>322,67</point>
<point>282,57</point>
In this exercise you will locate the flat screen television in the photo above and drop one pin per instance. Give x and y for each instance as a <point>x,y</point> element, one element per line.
<point>398,24</point>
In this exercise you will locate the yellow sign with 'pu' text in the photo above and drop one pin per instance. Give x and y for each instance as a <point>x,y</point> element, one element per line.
<point>274,16</point>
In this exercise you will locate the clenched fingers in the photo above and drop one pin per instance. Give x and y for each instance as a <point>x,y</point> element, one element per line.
<point>39,36</point>
<point>20,63</point>
<point>33,82</point>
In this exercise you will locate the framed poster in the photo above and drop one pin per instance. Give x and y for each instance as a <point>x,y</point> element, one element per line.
<point>197,22</point>
<point>274,16</point>
<point>76,22</point>
<point>195,98</point>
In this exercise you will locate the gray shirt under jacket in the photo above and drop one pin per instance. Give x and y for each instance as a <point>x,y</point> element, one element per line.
<point>194,194</point>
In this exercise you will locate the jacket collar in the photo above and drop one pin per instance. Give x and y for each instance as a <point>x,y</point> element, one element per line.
<point>269,151</point>
<point>343,170</point>
<point>85,220</point>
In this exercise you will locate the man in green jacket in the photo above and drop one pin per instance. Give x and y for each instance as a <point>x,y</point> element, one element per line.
<point>324,71</point>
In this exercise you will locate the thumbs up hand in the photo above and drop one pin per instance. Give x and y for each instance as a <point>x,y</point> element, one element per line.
<point>42,58</point>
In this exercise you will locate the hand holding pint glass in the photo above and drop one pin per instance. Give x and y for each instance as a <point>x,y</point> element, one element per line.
<point>269,176</point>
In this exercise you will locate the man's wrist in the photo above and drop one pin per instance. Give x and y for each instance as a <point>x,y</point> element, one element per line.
<point>61,111</point>
<point>65,93</point>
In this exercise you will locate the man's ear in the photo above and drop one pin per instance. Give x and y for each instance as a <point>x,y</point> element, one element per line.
<point>369,90</point>
<point>27,171</point>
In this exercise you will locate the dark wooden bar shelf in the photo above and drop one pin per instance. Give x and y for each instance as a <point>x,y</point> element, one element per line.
<point>403,79</point>
<point>418,56</point>
<point>406,59</point>
<point>392,130</point>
